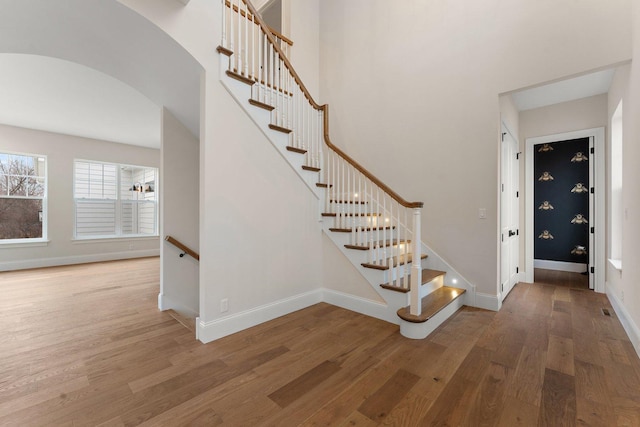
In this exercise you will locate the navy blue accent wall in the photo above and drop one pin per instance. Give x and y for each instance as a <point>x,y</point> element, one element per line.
<point>561,201</point>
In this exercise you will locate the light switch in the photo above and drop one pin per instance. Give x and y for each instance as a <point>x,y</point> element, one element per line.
<point>482,213</point>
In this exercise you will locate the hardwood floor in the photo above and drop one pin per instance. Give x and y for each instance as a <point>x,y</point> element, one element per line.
<point>86,345</point>
<point>565,279</point>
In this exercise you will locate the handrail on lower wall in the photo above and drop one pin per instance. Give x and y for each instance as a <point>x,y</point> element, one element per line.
<point>185,249</point>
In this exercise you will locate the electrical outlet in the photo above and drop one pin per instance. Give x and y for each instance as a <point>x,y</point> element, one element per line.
<point>622,295</point>
<point>482,213</point>
<point>224,305</point>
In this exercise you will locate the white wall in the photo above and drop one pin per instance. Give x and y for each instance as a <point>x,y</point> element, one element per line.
<point>622,287</point>
<point>180,211</point>
<point>260,240</point>
<point>415,84</point>
<point>61,150</point>
<point>585,113</point>
<point>305,34</point>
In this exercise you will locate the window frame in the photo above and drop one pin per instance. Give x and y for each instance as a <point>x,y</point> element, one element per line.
<point>118,203</point>
<point>31,241</point>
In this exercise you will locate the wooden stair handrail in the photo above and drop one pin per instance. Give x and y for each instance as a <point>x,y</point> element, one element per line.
<point>184,248</point>
<point>256,14</point>
<point>281,36</point>
<point>325,110</point>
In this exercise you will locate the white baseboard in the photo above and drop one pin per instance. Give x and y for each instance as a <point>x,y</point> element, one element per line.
<point>628,324</point>
<point>167,303</point>
<point>218,328</point>
<point>488,302</point>
<point>575,267</point>
<point>360,305</point>
<point>78,259</point>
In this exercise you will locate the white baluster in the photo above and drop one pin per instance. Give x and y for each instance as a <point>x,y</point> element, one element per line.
<point>416,269</point>
<point>224,24</point>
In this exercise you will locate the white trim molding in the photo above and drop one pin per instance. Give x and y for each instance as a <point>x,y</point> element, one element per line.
<point>488,302</point>
<point>628,324</point>
<point>221,327</point>
<point>79,259</point>
<point>575,267</point>
<point>370,308</point>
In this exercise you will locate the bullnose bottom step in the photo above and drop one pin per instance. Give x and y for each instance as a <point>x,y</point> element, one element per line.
<point>427,276</point>
<point>432,304</point>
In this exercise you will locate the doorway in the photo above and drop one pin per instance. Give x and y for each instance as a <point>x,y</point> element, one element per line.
<point>539,239</point>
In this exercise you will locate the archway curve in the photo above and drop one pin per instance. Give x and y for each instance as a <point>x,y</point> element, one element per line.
<point>113,39</point>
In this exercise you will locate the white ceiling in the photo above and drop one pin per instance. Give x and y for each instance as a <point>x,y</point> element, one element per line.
<point>112,53</point>
<point>563,91</point>
<point>50,94</point>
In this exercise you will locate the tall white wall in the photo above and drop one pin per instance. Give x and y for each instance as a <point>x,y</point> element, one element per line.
<point>622,286</point>
<point>61,150</point>
<point>413,90</point>
<point>305,34</point>
<point>180,210</point>
<point>260,241</point>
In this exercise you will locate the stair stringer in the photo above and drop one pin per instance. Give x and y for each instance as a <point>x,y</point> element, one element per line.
<point>241,93</point>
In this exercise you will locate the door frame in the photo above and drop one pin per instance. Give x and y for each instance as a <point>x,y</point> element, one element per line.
<point>597,159</point>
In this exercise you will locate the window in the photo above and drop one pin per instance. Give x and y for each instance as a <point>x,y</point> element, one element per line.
<point>23,195</point>
<point>113,200</point>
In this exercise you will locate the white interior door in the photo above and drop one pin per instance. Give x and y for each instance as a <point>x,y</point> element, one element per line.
<point>509,214</point>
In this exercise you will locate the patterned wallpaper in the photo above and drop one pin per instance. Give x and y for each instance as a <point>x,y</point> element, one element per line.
<point>561,198</point>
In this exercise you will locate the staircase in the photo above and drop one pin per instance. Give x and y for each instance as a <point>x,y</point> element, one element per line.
<point>375,228</point>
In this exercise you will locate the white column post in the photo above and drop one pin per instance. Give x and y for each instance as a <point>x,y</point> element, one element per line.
<point>416,266</point>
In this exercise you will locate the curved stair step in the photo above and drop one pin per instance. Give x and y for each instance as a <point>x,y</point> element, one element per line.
<point>404,259</point>
<point>427,276</point>
<point>432,304</point>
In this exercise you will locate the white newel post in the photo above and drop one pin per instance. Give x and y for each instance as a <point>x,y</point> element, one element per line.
<point>416,266</point>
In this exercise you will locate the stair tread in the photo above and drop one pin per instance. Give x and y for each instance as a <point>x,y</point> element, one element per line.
<point>427,276</point>
<point>224,51</point>
<point>279,128</point>
<point>240,77</point>
<point>261,105</point>
<point>350,214</point>
<point>296,149</point>
<point>404,259</point>
<point>323,185</point>
<point>310,168</point>
<point>349,230</point>
<point>378,244</point>
<point>362,202</point>
<point>432,304</point>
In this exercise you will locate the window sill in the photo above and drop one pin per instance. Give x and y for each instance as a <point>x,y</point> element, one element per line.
<point>27,243</point>
<point>107,239</point>
<point>616,263</point>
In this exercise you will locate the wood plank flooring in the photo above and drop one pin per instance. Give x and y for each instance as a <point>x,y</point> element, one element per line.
<point>86,346</point>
